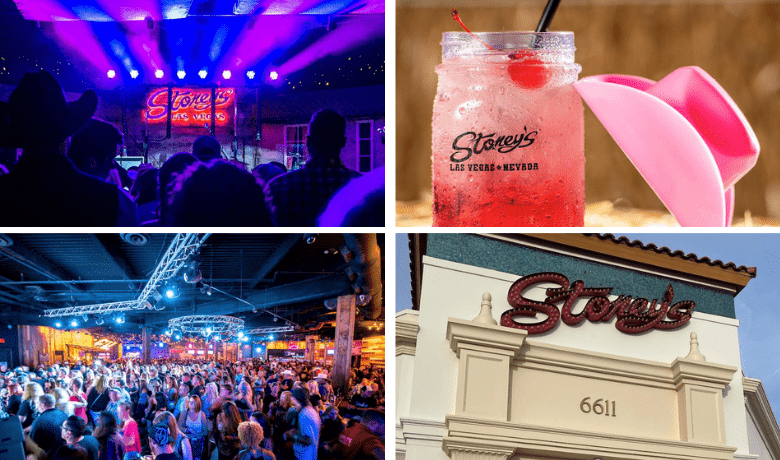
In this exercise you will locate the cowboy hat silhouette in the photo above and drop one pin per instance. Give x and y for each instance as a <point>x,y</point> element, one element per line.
<point>38,115</point>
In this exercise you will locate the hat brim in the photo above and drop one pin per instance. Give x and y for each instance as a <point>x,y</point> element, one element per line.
<point>79,112</point>
<point>663,146</point>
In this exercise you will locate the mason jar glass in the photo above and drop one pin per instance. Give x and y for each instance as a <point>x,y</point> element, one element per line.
<point>508,142</point>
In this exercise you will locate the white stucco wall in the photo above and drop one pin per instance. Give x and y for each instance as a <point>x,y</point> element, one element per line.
<point>455,290</point>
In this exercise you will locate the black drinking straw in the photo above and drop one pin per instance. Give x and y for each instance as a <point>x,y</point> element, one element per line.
<point>547,16</point>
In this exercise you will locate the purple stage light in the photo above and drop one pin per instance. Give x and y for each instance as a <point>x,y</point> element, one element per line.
<point>226,74</point>
<point>250,74</point>
<point>350,34</point>
<point>111,73</point>
<point>159,73</point>
<point>274,75</point>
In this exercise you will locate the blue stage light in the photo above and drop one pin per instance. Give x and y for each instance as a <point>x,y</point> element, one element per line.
<point>133,73</point>
<point>226,74</point>
<point>111,73</point>
<point>58,324</point>
<point>202,73</point>
<point>250,74</point>
<point>74,323</point>
<point>159,73</point>
<point>181,74</point>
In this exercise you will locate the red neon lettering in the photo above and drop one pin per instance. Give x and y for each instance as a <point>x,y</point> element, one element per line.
<point>190,107</point>
<point>633,315</point>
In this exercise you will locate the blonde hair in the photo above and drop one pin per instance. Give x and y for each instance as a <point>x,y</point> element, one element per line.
<point>62,401</point>
<point>100,383</point>
<point>250,434</point>
<point>32,390</point>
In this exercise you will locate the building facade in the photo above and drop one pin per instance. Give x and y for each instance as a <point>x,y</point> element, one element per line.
<point>574,347</point>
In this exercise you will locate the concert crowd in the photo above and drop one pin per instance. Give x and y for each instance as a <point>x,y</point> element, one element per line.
<point>197,410</point>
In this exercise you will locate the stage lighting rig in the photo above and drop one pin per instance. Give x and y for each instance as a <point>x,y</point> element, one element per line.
<point>268,330</point>
<point>206,325</point>
<point>179,251</point>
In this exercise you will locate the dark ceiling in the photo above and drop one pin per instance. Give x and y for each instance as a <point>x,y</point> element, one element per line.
<point>287,276</point>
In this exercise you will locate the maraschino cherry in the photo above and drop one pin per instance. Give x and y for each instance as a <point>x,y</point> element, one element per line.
<point>524,69</point>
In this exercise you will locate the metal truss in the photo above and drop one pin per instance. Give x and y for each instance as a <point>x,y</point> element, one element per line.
<point>269,330</point>
<point>198,324</point>
<point>181,248</point>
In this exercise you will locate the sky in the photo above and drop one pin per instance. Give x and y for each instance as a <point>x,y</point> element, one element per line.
<point>756,306</point>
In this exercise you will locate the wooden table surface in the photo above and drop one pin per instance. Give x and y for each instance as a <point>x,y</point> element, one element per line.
<point>601,214</point>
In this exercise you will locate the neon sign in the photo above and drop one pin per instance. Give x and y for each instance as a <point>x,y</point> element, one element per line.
<point>633,315</point>
<point>191,106</point>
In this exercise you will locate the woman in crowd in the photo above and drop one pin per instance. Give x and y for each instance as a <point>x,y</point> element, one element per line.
<point>194,424</point>
<point>251,436</point>
<point>130,435</point>
<point>111,446</point>
<point>244,400</point>
<point>97,390</point>
<point>211,395</point>
<point>228,420</point>
<point>78,399</point>
<point>182,447</point>
<point>28,411</point>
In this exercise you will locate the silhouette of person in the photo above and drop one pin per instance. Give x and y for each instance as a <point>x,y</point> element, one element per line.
<point>296,199</point>
<point>45,188</point>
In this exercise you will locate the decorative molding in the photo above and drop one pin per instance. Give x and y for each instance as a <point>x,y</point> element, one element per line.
<point>422,431</point>
<point>701,373</point>
<point>469,335</point>
<point>757,406</point>
<point>465,433</point>
<point>406,330</point>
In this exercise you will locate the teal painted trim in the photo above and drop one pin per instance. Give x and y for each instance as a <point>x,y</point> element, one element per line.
<point>509,258</point>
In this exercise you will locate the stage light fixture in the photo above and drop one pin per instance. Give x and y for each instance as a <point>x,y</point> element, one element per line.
<point>217,338</point>
<point>99,320</point>
<point>177,337</point>
<point>168,333</point>
<point>160,344</point>
<point>245,339</point>
<point>120,319</point>
<point>250,74</point>
<point>208,330</point>
<point>271,337</point>
<point>240,335</point>
<point>74,323</point>
<point>58,324</point>
<point>258,350</point>
<point>226,74</point>
<point>85,317</point>
<point>133,73</point>
<point>171,290</point>
<point>111,73</point>
<point>274,75</point>
<point>202,73</point>
<point>159,73</point>
<point>181,74</point>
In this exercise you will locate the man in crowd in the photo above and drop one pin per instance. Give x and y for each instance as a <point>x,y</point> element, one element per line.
<point>297,198</point>
<point>360,441</point>
<point>47,427</point>
<point>45,188</point>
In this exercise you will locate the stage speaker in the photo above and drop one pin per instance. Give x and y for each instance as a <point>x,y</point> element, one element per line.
<point>11,439</point>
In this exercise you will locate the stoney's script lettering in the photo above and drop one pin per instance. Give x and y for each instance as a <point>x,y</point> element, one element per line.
<point>633,315</point>
<point>471,143</point>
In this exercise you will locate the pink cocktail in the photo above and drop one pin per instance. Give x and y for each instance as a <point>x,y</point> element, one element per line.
<point>508,145</point>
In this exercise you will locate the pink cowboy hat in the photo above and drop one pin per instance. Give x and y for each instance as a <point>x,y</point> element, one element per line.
<point>684,134</point>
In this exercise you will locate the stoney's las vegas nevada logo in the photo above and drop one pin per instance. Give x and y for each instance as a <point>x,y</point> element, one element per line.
<point>634,315</point>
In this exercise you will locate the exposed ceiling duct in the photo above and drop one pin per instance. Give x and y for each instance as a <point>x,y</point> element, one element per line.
<point>365,264</point>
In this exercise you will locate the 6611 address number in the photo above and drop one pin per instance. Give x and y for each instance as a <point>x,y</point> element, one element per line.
<point>599,407</point>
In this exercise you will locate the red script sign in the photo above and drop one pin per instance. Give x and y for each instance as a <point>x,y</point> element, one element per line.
<point>191,106</point>
<point>633,315</point>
